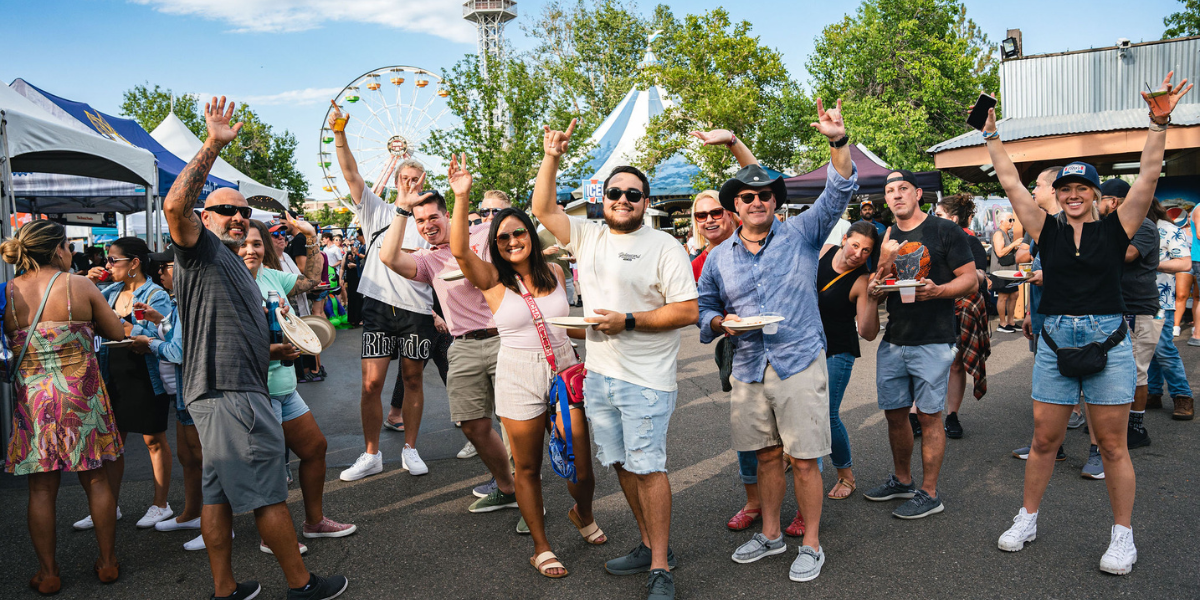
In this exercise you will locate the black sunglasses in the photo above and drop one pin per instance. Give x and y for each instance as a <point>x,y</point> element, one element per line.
<point>715,213</point>
<point>516,234</point>
<point>615,193</point>
<point>475,221</point>
<point>228,210</point>
<point>749,197</point>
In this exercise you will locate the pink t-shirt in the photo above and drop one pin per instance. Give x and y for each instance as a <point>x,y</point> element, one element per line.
<point>463,305</point>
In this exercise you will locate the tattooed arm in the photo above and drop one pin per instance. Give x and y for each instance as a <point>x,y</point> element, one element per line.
<point>180,202</point>
<point>311,277</point>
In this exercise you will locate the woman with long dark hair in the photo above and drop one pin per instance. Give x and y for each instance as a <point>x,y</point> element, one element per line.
<point>1081,269</point>
<point>517,275</point>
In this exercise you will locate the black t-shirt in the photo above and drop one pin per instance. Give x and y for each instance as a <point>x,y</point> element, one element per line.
<point>977,251</point>
<point>79,262</point>
<point>1139,287</point>
<point>933,250</point>
<point>295,248</point>
<point>1087,280</point>
<point>227,346</point>
<point>838,312</point>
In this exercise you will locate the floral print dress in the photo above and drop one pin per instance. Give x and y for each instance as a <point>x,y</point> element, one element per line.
<point>62,420</point>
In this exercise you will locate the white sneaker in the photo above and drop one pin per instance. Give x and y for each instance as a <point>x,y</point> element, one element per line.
<point>412,461</point>
<point>1175,332</point>
<point>154,514</point>
<point>1121,553</point>
<point>468,451</point>
<point>175,524</point>
<point>262,546</point>
<point>1024,529</point>
<point>85,523</point>
<point>197,543</point>
<point>366,465</point>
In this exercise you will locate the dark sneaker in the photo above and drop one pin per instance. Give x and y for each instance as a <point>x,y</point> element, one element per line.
<point>660,585</point>
<point>1076,421</point>
<point>1023,454</point>
<point>482,491</point>
<point>320,588</point>
<point>916,425</point>
<point>494,501</point>
<point>244,591</point>
<point>1153,401</point>
<point>637,561</point>
<point>922,505</point>
<point>1138,438</point>
<point>758,547</point>
<point>954,429</point>
<point>1094,467</point>
<point>889,490</point>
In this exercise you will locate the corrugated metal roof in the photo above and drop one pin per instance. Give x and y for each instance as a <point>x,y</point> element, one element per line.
<point>1114,120</point>
<point>1094,81</point>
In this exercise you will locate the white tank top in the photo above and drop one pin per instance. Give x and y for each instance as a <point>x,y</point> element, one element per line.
<point>515,323</point>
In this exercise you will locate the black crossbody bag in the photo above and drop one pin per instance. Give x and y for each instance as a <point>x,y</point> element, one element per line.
<point>1088,359</point>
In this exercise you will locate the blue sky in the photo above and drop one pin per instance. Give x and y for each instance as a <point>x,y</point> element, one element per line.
<point>288,57</point>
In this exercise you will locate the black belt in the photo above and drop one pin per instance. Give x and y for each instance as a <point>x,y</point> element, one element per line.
<point>479,334</point>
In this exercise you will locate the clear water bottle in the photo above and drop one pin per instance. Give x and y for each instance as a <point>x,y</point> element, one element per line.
<point>273,322</point>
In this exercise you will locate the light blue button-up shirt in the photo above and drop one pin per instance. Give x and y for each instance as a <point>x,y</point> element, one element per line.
<point>780,279</point>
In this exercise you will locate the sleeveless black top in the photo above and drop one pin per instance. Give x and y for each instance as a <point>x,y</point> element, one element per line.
<point>837,310</point>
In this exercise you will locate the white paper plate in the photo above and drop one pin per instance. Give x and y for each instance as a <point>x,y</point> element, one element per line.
<point>117,343</point>
<point>900,284</point>
<point>570,322</point>
<point>752,323</point>
<point>454,275</point>
<point>298,333</point>
<point>1010,274</point>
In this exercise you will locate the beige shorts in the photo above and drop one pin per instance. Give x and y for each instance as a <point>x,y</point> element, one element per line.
<point>1145,335</point>
<point>471,379</point>
<point>793,412</point>
<point>523,381</point>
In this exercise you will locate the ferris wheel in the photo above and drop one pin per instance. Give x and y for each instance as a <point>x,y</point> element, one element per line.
<point>392,112</point>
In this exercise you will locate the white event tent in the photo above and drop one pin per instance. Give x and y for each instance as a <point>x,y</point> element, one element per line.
<point>135,223</point>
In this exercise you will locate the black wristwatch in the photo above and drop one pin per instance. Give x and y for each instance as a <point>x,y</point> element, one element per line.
<point>839,143</point>
<point>630,322</point>
<point>403,213</point>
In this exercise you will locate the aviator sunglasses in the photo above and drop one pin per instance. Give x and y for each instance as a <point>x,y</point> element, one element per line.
<point>516,234</point>
<point>228,210</point>
<point>615,193</point>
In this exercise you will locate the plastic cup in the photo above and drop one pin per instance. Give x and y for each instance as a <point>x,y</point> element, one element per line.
<point>105,275</point>
<point>889,281</point>
<point>771,328</point>
<point>908,295</point>
<point>139,314</point>
<point>339,124</point>
<point>1160,103</point>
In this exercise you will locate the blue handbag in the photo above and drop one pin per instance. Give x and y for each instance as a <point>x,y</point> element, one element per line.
<point>562,451</point>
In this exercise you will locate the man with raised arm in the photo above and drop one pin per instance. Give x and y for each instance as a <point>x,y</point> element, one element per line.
<point>639,291</point>
<point>224,382</point>
<point>397,317</point>
<point>780,402</point>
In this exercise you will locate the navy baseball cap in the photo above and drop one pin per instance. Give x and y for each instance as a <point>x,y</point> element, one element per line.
<point>1080,172</point>
<point>1115,187</point>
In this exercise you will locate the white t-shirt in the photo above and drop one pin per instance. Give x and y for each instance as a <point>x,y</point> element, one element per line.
<point>632,272</point>
<point>1173,242</point>
<point>300,300</point>
<point>840,227</point>
<point>379,282</point>
<point>334,254</point>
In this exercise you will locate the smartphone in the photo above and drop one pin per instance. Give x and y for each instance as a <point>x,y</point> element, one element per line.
<point>979,114</point>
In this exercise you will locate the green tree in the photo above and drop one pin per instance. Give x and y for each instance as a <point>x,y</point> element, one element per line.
<point>328,216</point>
<point>500,129</point>
<point>906,71</point>
<point>1185,22</point>
<point>260,153</point>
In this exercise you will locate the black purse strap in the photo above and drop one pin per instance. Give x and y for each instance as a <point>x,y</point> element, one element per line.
<point>1116,338</point>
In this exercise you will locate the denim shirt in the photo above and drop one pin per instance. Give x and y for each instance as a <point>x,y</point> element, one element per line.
<point>780,279</point>
<point>159,300</point>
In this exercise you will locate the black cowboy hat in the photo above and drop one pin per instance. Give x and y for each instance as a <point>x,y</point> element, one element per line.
<point>753,176</point>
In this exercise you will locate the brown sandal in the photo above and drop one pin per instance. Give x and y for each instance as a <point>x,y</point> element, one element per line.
<point>46,585</point>
<point>844,483</point>
<point>546,561</point>
<point>591,532</point>
<point>107,574</point>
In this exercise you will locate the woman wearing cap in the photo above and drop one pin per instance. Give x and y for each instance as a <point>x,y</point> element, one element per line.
<point>1081,298</point>
<point>300,431</point>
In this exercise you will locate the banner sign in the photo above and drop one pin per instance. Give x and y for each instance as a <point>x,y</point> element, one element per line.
<point>108,219</point>
<point>592,191</point>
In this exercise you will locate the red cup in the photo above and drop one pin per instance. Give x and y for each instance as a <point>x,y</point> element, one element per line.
<point>105,275</point>
<point>889,281</point>
<point>1160,103</point>
<point>139,314</point>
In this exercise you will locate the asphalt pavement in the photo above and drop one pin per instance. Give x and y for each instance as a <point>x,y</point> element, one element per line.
<point>417,540</point>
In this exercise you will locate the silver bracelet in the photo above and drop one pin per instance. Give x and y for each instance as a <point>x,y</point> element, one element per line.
<point>1159,127</point>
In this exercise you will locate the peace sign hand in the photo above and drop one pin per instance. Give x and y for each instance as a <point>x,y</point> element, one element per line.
<point>829,122</point>
<point>555,142</point>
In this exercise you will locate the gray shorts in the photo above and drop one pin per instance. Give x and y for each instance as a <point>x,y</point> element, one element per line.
<point>243,450</point>
<point>471,379</point>
<point>905,375</point>
<point>793,412</point>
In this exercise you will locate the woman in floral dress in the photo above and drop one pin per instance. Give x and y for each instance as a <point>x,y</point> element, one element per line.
<point>62,420</point>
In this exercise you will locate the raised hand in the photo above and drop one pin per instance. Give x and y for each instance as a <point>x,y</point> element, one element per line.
<point>989,126</point>
<point>460,176</point>
<point>407,195</point>
<point>1160,107</point>
<point>716,137</point>
<point>829,122</point>
<point>218,118</point>
<point>296,225</point>
<point>337,114</point>
<point>555,142</point>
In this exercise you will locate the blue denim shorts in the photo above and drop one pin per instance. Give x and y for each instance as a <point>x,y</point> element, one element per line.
<point>288,406</point>
<point>1113,385</point>
<point>905,375</point>
<point>629,423</point>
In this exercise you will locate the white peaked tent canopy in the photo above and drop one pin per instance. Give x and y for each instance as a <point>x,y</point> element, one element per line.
<point>180,141</point>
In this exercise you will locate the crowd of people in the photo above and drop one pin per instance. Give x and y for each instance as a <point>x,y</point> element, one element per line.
<point>476,289</point>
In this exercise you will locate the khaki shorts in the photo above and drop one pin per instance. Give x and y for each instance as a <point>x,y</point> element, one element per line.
<point>1144,335</point>
<point>793,412</point>
<point>471,378</point>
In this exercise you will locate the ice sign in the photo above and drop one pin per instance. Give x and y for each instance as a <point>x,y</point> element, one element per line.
<point>592,190</point>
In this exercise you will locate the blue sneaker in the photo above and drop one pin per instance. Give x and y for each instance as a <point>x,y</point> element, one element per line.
<point>637,561</point>
<point>660,585</point>
<point>890,490</point>
<point>920,506</point>
<point>482,491</point>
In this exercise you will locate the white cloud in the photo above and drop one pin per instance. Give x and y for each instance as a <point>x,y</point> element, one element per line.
<point>442,18</point>
<point>292,97</point>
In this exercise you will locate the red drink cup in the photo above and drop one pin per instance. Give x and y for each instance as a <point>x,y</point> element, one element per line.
<point>889,280</point>
<point>1160,103</point>
<point>105,275</point>
<point>139,314</point>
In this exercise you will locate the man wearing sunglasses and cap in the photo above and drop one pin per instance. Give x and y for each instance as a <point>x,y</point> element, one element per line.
<point>638,289</point>
<point>779,402</point>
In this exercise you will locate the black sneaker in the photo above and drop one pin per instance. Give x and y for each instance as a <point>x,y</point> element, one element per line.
<point>916,425</point>
<point>660,585</point>
<point>954,429</point>
<point>889,490</point>
<point>1023,454</point>
<point>637,561</point>
<point>1137,438</point>
<point>920,506</point>
<point>319,588</point>
<point>244,591</point>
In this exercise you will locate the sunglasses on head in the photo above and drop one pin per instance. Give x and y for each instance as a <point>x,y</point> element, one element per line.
<point>487,212</point>
<point>516,234</point>
<point>715,213</point>
<point>749,197</point>
<point>615,193</point>
<point>228,210</point>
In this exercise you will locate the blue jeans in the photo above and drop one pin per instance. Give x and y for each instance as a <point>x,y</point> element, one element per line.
<point>748,467</point>
<point>1166,364</point>
<point>840,366</point>
<point>629,423</point>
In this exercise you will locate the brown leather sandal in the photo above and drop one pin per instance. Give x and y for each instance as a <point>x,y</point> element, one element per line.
<point>844,483</point>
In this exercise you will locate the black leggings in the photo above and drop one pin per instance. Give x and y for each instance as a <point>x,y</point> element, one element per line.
<point>441,345</point>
